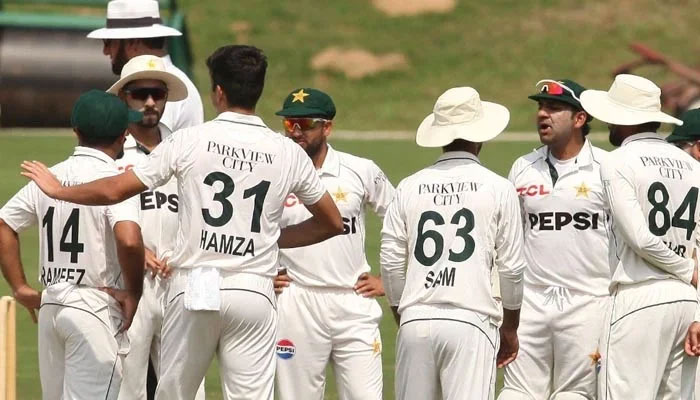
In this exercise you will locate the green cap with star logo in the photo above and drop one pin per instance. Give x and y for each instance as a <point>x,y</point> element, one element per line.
<point>689,131</point>
<point>307,102</point>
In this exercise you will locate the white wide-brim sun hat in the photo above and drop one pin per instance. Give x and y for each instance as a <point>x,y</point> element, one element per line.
<point>150,67</point>
<point>631,100</point>
<point>459,113</point>
<point>133,19</point>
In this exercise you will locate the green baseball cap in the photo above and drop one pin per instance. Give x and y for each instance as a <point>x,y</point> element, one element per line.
<point>101,114</point>
<point>306,102</point>
<point>689,131</point>
<point>564,90</point>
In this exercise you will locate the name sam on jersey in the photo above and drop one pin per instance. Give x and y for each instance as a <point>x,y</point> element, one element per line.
<point>238,158</point>
<point>445,194</point>
<point>667,167</point>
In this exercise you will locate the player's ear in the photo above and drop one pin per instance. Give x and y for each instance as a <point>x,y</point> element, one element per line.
<point>327,127</point>
<point>580,118</point>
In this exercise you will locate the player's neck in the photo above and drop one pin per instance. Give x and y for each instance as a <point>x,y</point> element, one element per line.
<point>146,136</point>
<point>320,156</point>
<point>568,149</point>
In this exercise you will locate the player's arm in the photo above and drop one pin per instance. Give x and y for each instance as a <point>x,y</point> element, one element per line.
<point>632,224</point>
<point>511,265</point>
<point>105,191</point>
<point>130,252</point>
<point>12,270</point>
<point>392,255</point>
<point>325,222</point>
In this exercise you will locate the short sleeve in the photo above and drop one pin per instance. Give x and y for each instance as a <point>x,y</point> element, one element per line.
<point>127,210</point>
<point>306,184</point>
<point>161,164</point>
<point>19,212</point>
<point>380,192</point>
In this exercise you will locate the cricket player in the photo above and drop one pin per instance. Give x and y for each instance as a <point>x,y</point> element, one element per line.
<point>650,192</point>
<point>687,138</point>
<point>448,226</point>
<point>327,313</point>
<point>566,248</point>
<point>233,176</point>
<point>145,86</point>
<point>85,253</point>
<point>134,28</point>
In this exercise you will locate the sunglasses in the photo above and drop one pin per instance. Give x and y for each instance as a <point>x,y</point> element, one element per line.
<point>555,88</point>
<point>143,94</point>
<point>304,124</point>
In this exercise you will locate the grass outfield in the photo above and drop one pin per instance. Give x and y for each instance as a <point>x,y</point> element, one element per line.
<point>397,159</point>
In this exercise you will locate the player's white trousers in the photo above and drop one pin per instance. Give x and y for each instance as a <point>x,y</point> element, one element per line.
<point>445,353</point>
<point>241,334</point>
<point>318,326</point>
<point>144,340</point>
<point>642,346</point>
<point>559,333</point>
<point>80,351</point>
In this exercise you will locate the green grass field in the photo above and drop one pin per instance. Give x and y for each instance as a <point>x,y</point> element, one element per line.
<point>398,159</point>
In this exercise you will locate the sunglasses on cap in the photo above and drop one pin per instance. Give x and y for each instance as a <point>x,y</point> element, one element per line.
<point>304,124</point>
<point>144,93</point>
<point>555,88</point>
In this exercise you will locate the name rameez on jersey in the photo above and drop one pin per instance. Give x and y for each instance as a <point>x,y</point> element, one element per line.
<point>53,275</point>
<point>446,194</point>
<point>668,167</point>
<point>239,158</point>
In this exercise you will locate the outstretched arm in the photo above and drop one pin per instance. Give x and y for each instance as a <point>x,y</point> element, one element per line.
<point>105,191</point>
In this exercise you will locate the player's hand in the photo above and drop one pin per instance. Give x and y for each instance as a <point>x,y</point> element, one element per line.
<point>40,174</point>
<point>282,281</point>
<point>509,347</point>
<point>127,302</point>
<point>692,340</point>
<point>152,263</point>
<point>369,286</point>
<point>30,298</point>
<point>166,270</point>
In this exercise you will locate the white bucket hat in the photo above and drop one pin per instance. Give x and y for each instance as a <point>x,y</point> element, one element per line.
<point>150,67</point>
<point>459,113</point>
<point>133,19</point>
<point>631,100</point>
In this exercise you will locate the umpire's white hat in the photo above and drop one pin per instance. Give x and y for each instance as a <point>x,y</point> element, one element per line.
<point>133,19</point>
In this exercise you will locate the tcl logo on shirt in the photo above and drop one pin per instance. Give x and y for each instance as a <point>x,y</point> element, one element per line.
<point>533,190</point>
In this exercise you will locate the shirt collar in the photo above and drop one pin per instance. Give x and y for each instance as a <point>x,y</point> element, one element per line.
<point>457,155</point>
<point>645,136</point>
<point>167,60</point>
<point>131,142</point>
<point>81,151</point>
<point>237,118</point>
<point>584,157</point>
<point>331,164</point>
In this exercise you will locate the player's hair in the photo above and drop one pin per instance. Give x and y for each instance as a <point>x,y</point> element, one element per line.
<point>649,126</point>
<point>156,43</point>
<point>240,72</point>
<point>99,141</point>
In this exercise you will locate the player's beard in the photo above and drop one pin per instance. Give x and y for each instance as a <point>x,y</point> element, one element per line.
<point>120,59</point>
<point>121,154</point>
<point>312,148</point>
<point>150,119</point>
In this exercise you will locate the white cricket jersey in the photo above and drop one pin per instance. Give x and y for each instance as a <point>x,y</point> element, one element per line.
<point>76,242</point>
<point>448,225</point>
<point>233,176</point>
<point>564,220</point>
<point>184,113</point>
<point>158,207</point>
<point>354,183</point>
<point>651,188</point>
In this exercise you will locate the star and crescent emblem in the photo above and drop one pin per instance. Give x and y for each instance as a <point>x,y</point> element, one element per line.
<point>582,190</point>
<point>339,195</point>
